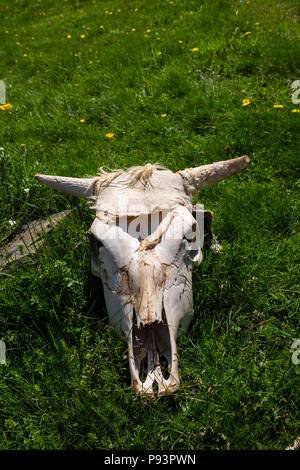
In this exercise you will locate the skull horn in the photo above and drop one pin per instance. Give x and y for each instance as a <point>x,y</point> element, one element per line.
<point>80,187</point>
<point>203,176</point>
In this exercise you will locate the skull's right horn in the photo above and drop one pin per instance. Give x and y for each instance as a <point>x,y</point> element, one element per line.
<point>203,176</point>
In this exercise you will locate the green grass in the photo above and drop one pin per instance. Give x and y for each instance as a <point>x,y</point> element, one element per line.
<point>66,384</point>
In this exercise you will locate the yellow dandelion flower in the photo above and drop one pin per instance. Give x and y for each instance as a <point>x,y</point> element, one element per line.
<point>69,36</point>
<point>256,24</point>
<point>295,110</point>
<point>195,49</point>
<point>18,43</point>
<point>6,107</point>
<point>109,135</point>
<point>180,42</point>
<point>82,120</point>
<point>164,115</point>
<point>158,39</point>
<point>247,33</point>
<point>148,31</point>
<point>102,27</point>
<point>278,106</point>
<point>133,29</point>
<point>118,10</point>
<point>246,102</point>
<point>76,55</point>
<point>25,55</point>
<point>82,36</point>
<point>159,53</point>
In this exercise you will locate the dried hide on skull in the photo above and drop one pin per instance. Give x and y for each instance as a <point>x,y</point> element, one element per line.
<point>145,240</point>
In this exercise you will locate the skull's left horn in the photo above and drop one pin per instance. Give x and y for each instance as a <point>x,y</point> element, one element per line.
<point>203,176</point>
<point>80,187</point>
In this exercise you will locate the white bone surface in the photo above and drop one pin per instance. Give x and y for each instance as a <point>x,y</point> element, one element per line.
<point>149,277</point>
<point>165,192</point>
<point>146,243</point>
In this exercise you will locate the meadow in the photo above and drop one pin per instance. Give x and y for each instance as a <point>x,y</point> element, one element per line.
<point>117,83</point>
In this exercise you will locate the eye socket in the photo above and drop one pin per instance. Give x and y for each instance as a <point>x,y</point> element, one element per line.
<point>189,240</point>
<point>191,235</point>
<point>95,243</point>
<point>193,254</point>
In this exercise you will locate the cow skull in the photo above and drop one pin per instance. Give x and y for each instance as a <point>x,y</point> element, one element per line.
<point>145,241</point>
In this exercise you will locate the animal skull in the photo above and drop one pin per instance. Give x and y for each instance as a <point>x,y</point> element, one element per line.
<point>145,241</point>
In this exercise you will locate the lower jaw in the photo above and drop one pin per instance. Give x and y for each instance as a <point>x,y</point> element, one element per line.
<point>148,342</point>
<point>165,386</point>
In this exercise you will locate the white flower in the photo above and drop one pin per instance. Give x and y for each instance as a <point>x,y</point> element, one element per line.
<point>26,190</point>
<point>12,222</point>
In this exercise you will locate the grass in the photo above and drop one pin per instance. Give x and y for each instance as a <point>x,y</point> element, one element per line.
<point>66,384</point>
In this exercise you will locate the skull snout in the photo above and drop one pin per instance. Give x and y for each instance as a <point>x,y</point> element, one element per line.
<point>153,358</point>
